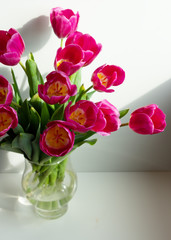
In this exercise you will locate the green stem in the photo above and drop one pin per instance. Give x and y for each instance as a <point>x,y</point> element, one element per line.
<point>124,124</point>
<point>23,67</point>
<point>82,93</point>
<point>48,172</point>
<point>61,169</point>
<point>15,104</point>
<point>62,42</point>
<point>52,173</point>
<point>88,89</point>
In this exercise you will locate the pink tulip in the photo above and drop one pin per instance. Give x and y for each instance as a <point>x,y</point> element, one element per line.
<point>82,115</point>
<point>57,140</point>
<point>69,59</point>
<point>63,21</point>
<point>148,120</point>
<point>88,44</point>
<point>107,118</point>
<point>8,119</point>
<point>6,94</point>
<point>57,89</point>
<point>11,47</point>
<point>106,76</point>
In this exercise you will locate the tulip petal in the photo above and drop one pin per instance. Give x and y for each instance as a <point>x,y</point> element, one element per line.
<point>158,119</point>
<point>88,45</point>
<point>11,47</point>
<point>111,118</point>
<point>141,123</point>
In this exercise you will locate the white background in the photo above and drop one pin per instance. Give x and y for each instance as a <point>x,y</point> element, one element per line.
<point>136,35</point>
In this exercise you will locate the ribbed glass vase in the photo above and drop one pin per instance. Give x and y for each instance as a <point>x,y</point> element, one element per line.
<point>49,186</point>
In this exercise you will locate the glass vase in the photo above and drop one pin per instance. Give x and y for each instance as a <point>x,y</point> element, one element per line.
<point>49,187</point>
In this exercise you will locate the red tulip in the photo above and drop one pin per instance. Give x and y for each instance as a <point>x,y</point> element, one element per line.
<point>82,115</point>
<point>106,76</point>
<point>57,89</point>
<point>148,120</point>
<point>63,21</point>
<point>107,118</point>
<point>11,47</point>
<point>57,140</point>
<point>88,44</point>
<point>69,59</point>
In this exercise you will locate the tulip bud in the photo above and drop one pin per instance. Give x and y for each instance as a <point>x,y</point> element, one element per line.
<point>63,21</point>
<point>148,120</point>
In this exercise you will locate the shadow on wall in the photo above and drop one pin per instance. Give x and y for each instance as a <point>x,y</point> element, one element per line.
<point>125,150</point>
<point>35,33</point>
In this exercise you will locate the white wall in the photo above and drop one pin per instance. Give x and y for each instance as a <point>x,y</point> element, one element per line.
<point>135,35</point>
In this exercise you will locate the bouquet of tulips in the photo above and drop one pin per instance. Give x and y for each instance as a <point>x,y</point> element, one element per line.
<point>59,116</point>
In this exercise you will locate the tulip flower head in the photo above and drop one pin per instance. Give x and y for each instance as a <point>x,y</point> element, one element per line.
<point>82,115</point>
<point>57,89</point>
<point>69,59</point>
<point>63,21</point>
<point>88,44</point>
<point>107,118</point>
<point>8,119</point>
<point>11,47</point>
<point>6,94</point>
<point>148,120</point>
<point>106,76</point>
<point>57,140</point>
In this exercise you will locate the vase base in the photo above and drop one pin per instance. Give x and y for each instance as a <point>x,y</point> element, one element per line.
<point>51,214</point>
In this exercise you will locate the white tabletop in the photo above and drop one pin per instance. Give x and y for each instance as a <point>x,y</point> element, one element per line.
<point>121,206</point>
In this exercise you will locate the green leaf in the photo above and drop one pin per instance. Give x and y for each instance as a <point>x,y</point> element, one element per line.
<point>33,74</point>
<point>123,112</point>
<point>81,95</point>
<point>23,142</point>
<point>24,115</point>
<point>18,129</point>
<point>89,95</point>
<point>58,114</point>
<point>45,116</point>
<point>31,56</point>
<point>37,103</point>
<point>81,137</point>
<point>45,158</point>
<point>35,146</point>
<point>33,81</point>
<point>76,78</point>
<point>34,120</point>
<point>91,142</point>
<point>17,94</point>
<point>6,144</point>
